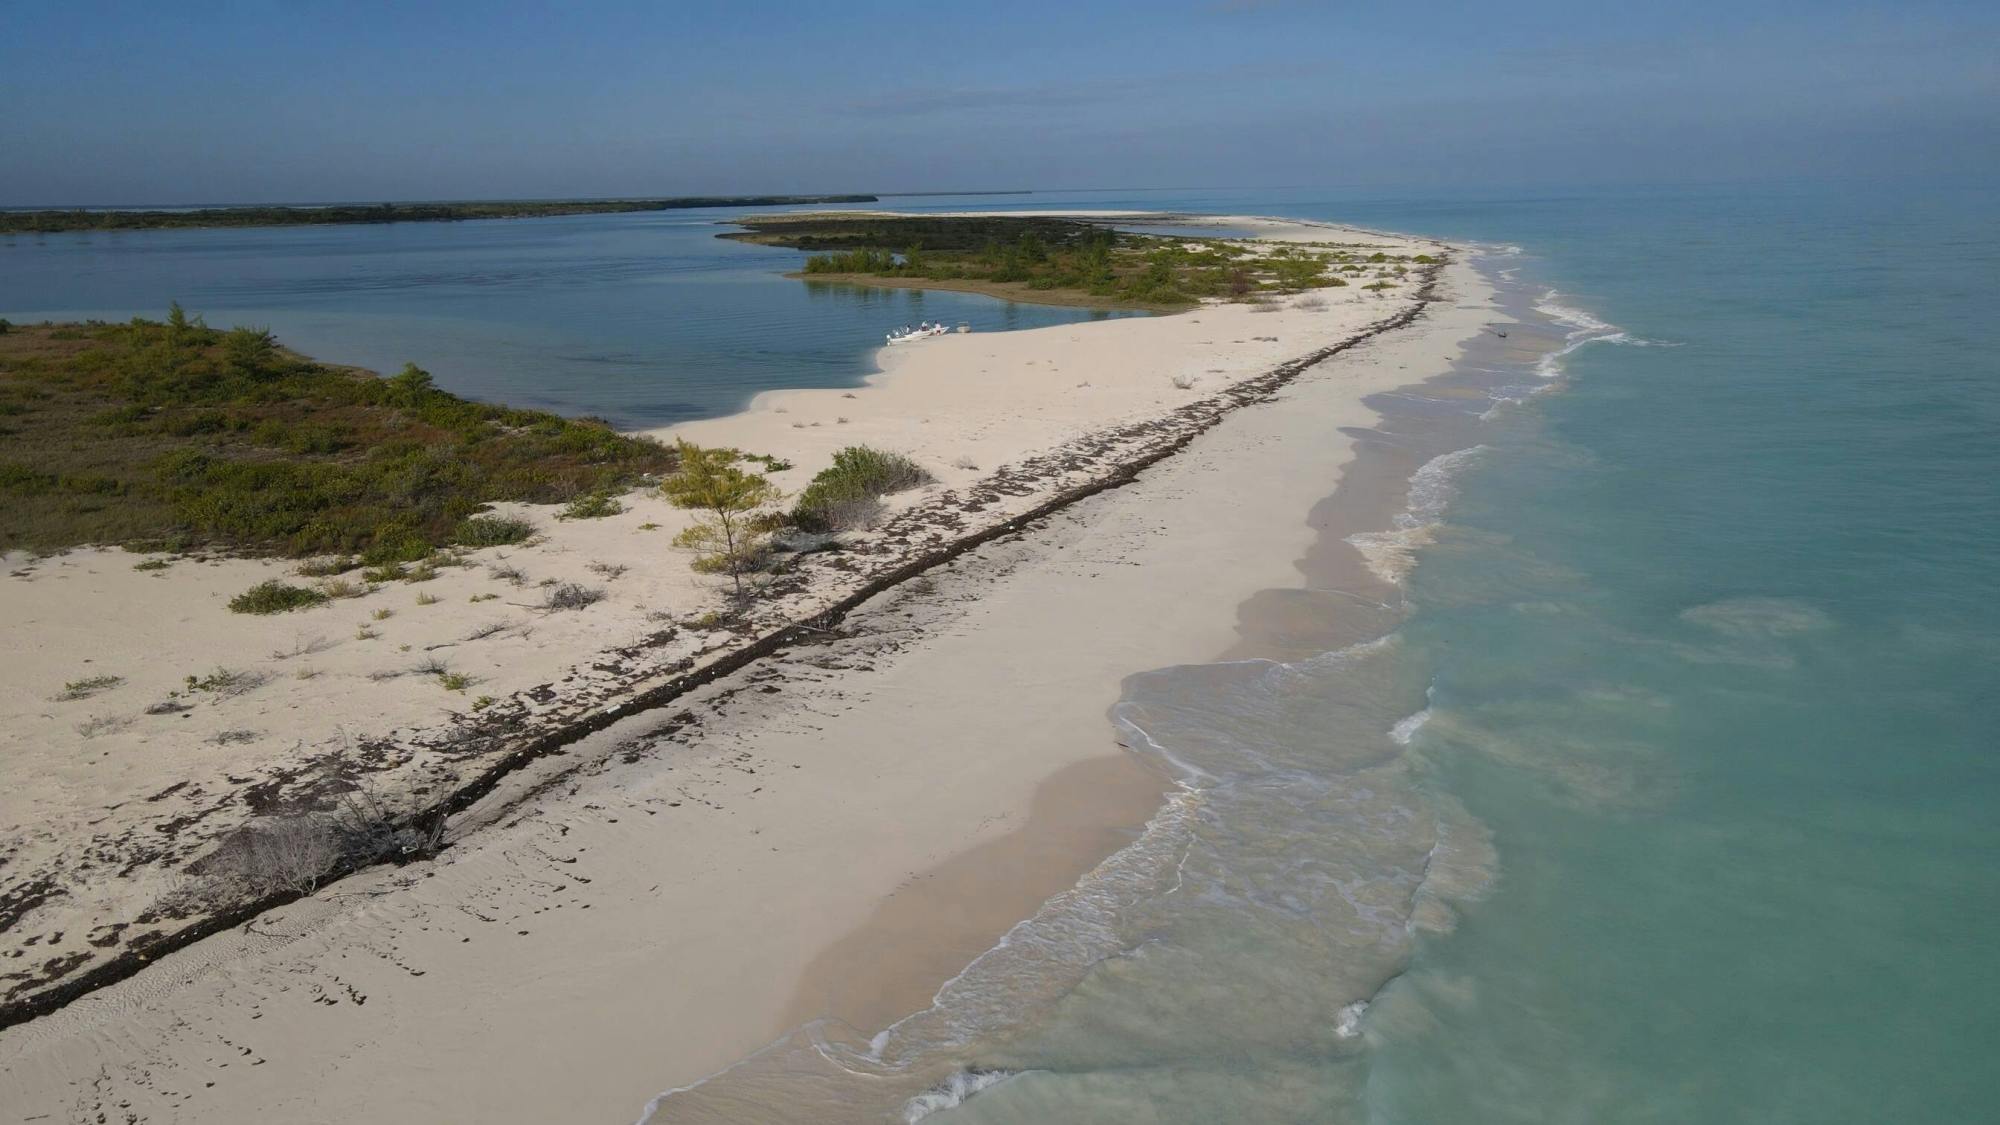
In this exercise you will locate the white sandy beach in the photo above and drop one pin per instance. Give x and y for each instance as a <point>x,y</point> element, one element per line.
<point>672,893</point>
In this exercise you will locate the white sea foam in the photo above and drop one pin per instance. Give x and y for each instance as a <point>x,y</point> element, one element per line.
<point>1583,328</point>
<point>1347,1024</point>
<point>1391,554</point>
<point>1514,395</point>
<point>952,1093</point>
<point>1407,728</point>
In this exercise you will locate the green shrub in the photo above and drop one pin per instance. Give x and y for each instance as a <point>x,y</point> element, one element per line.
<point>395,544</point>
<point>596,505</point>
<point>491,531</point>
<point>858,476</point>
<point>274,596</point>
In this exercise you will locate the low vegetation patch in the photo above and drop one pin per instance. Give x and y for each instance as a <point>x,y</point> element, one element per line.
<point>87,687</point>
<point>227,682</point>
<point>595,506</point>
<point>569,595</point>
<point>169,435</point>
<point>273,596</point>
<point>492,531</point>
<point>848,493</point>
<point>1021,255</point>
<point>328,567</point>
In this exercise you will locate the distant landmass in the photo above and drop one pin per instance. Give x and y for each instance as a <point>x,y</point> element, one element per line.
<point>80,219</point>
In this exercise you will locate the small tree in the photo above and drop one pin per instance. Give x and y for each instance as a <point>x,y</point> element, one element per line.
<point>733,521</point>
<point>410,386</point>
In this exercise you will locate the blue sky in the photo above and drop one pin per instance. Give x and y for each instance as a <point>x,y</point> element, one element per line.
<point>195,102</point>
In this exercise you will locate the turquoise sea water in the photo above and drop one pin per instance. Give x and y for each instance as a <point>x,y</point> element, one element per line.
<point>1672,798</point>
<point>1714,636</point>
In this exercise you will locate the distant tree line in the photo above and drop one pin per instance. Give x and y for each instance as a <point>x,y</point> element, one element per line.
<point>1080,259</point>
<point>39,222</point>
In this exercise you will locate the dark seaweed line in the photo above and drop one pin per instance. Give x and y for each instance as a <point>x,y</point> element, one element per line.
<point>1220,406</point>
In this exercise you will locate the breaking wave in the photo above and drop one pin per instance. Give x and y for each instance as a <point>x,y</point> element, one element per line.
<point>1392,554</point>
<point>1582,328</point>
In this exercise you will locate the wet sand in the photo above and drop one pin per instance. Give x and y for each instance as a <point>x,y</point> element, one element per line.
<point>941,919</point>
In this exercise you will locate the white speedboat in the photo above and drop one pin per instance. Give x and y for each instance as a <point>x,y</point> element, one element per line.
<point>922,331</point>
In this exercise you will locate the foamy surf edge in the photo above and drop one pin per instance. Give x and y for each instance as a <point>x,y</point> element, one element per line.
<point>1582,328</point>
<point>1392,554</point>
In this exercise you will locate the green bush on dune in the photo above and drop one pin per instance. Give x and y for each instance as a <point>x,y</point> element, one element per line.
<point>858,476</point>
<point>492,531</point>
<point>274,596</point>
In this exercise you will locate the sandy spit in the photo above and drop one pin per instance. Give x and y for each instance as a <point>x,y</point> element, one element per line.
<point>670,893</point>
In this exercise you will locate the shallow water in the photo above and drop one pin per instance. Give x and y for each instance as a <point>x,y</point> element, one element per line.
<point>1713,639</point>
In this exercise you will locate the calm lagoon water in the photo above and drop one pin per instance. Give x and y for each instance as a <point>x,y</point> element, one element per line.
<point>1672,798</point>
<point>644,319</point>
